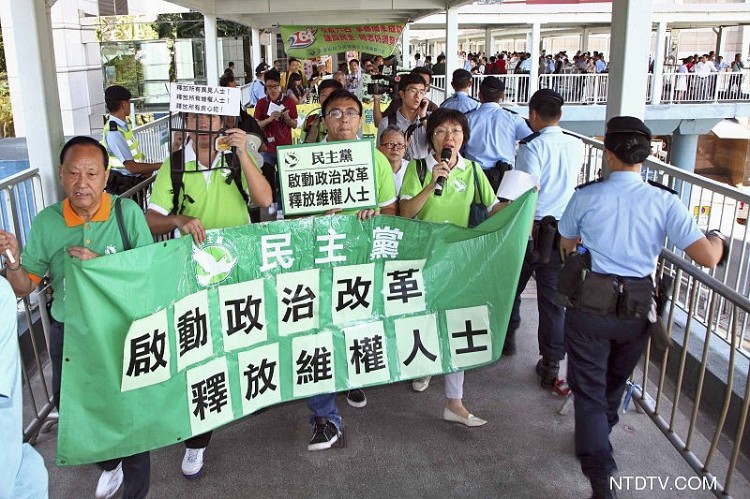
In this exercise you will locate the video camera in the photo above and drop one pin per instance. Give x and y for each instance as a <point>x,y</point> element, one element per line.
<point>384,85</point>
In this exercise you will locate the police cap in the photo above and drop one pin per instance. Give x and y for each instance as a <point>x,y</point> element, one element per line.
<point>260,68</point>
<point>493,83</point>
<point>117,93</point>
<point>628,124</point>
<point>545,95</point>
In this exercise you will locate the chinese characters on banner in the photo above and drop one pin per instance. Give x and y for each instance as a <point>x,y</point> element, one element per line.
<point>204,99</point>
<point>307,306</point>
<point>313,41</point>
<point>320,177</point>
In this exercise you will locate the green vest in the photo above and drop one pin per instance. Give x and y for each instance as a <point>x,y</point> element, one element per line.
<point>114,161</point>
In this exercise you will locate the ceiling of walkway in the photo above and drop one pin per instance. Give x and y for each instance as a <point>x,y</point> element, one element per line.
<point>269,13</point>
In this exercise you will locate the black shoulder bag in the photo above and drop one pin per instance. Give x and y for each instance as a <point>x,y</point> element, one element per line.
<point>478,212</point>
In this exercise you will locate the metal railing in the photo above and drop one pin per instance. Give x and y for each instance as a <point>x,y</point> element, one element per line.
<point>688,388</point>
<point>592,88</point>
<point>714,206</point>
<point>153,139</point>
<point>21,198</point>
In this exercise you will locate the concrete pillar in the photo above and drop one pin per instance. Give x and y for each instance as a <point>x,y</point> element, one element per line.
<point>269,52</point>
<point>534,39</point>
<point>720,39</point>
<point>405,57</point>
<point>489,49</point>
<point>630,45</point>
<point>254,50</point>
<point>682,155</point>
<point>585,39</point>
<point>212,50</point>
<point>275,50</point>
<point>27,32</point>
<point>451,46</point>
<point>744,43</point>
<point>657,83</point>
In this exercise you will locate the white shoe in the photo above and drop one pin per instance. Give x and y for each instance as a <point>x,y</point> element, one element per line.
<point>109,483</point>
<point>470,420</point>
<point>192,463</point>
<point>420,384</point>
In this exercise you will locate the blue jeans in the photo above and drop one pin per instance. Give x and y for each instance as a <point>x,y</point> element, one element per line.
<point>551,332</point>
<point>324,406</point>
<point>602,353</point>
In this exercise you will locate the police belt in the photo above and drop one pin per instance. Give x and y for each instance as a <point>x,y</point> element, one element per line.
<point>605,294</point>
<point>546,239</point>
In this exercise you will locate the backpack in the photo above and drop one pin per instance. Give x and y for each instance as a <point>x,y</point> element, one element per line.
<point>177,170</point>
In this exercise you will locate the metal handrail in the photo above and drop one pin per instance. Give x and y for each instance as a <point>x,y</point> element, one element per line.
<point>690,389</point>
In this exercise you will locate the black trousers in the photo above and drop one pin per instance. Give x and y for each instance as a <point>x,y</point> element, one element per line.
<point>136,468</point>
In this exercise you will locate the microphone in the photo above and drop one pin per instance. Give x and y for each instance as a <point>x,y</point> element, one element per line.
<point>445,156</point>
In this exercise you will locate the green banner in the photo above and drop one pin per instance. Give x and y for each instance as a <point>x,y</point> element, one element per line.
<point>171,340</point>
<point>314,41</point>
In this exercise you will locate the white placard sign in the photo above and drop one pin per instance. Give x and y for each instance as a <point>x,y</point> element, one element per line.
<point>204,99</point>
<point>316,178</point>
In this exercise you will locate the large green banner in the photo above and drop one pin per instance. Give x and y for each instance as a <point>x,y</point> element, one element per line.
<point>171,340</point>
<point>314,41</point>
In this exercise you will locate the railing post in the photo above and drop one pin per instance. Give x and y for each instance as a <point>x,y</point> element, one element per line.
<point>656,78</point>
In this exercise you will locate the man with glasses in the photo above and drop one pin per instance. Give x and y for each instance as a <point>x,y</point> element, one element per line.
<point>410,116</point>
<point>393,147</point>
<point>278,124</point>
<point>494,132</point>
<point>342,116</point>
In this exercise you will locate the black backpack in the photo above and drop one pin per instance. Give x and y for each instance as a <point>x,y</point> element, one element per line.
<point>177,170</point>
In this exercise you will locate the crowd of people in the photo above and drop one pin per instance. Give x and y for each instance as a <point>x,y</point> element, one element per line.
<point>603,327</point>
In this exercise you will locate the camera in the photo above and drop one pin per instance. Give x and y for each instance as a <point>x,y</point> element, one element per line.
<point>383,85</point>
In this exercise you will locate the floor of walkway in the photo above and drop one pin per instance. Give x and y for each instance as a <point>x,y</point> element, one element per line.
<point>399,446</point>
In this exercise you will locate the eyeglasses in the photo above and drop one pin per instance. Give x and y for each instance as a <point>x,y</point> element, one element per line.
<point>442,132</point>
<point>338,114</point>
<point>415,91</point>
<point>273,86</point>
<point>398,146</point>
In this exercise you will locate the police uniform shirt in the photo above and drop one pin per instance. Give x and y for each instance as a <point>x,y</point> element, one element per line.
<point>623,222</point>
<point>257,91</point>
<point>417,147</point>
<point>22,471</point>
<point>556,158</point>
<point>461,101</point>
<point>494,133</point>
<point>116,143</point>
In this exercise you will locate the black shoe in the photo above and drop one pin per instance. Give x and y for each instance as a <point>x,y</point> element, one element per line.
<point>356,398</point>
<point>601,488</point>
<point>325,434</point>
<point>509,348</point>
<point>547,370</point>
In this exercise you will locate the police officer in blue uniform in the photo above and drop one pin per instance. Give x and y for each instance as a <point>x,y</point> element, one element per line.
<point>494,132</point>
<point>461,100</point>
<point>620,223</point>
<point>556,158</point>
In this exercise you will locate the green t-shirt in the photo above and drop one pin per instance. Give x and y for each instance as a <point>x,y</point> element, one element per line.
<point>458,192</point>
<point>216,203</point>
<point>384,182</point>
<point>57,228</point>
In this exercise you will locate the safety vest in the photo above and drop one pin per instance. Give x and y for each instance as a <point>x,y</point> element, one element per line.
<point>130,140</point>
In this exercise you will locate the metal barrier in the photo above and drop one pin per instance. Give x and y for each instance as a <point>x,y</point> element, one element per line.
<point>688,392</point>
<point>21,198</point>
<point>153,139</point>
<point>715,87</point>
<point>578,88</point>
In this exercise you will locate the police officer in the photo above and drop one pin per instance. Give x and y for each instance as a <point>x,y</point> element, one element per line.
<point>125,160</point>
<point>621,223</point>
<point>461,100</point>
<point>556,158</point>
<point>494,132</point>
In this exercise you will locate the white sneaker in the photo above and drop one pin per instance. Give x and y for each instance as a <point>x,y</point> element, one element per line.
<point>192,463</point>
<point>420,384</point>
<point>109,483</point>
